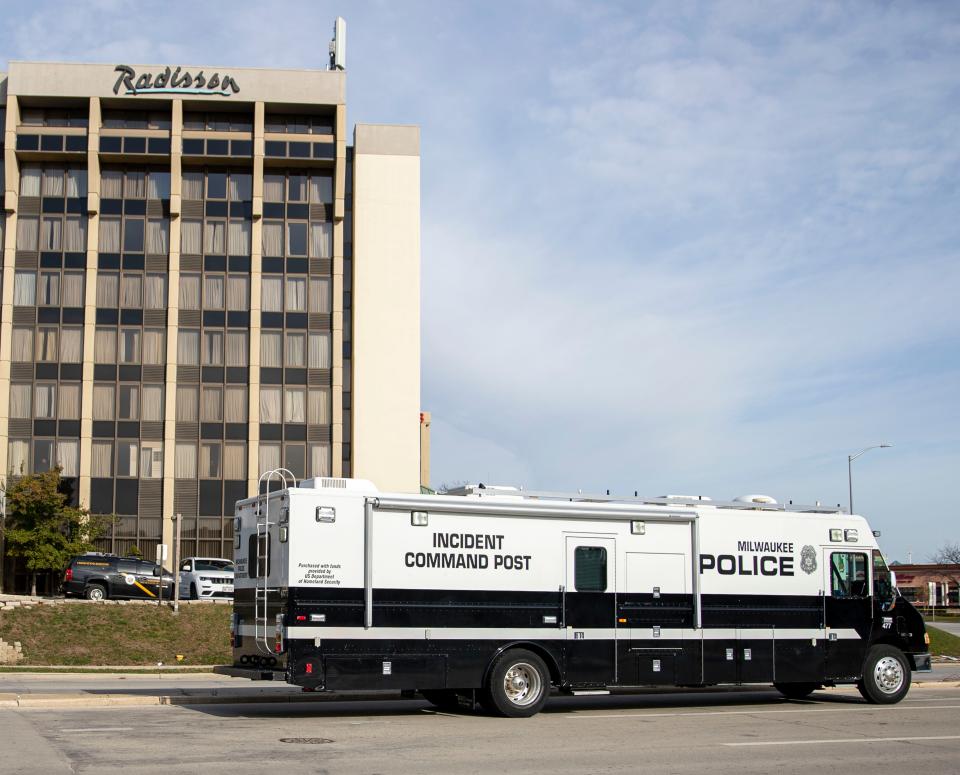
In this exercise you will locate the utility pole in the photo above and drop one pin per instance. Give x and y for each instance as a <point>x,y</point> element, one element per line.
<point>3,531</point>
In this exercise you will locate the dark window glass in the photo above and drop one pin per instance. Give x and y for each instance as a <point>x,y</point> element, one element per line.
<point>848,574</point>
<point>216,185</point>
<point>133,235</point>
<point>297,239</point>
<point>42,455</point>
<point>240,190</point>
<point>590,569</point>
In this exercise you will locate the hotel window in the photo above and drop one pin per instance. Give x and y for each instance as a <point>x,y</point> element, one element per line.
<point>158,185</point>
<point>68,457</point>
<point>320,460</point>
<point>237,348</point>
<point>273,186</point>
<point>76,183</point>
<point>154,346</point>
<point>73,289</point>
<point>320,351</point>
<point>188,348</point>
<point>269,457</point>
<point>109,241</point>
<point>270,398</point>
<point>216,185</point>
<point>240,187</point>
<point>27,227</point>
<point>189,291</point>
<point>105,345</point>
<point>321,240</point>
<point>131,291</point>
<point>296,350</point>
<point>271,294</point>
<point>111,185</point>
<point>51,233</point>
<point>130,345</point>
<point>213,291</point>
<point>155,296</point>
<point>42,455</point>
<point>128,453</point>
<point>104,402</point>
<point>75,235</point>
<point>212,404</point>
<point>151,460</point>
<point>296,294</point>
<point>235,403</point>
<point>320,295</point>
<point>185,466</point>
<point>22,345</point>
<point>214,237</point>
<point>133,235</point>
<point>108,289</point>
<point>321,189</point>
<point>152,403</point>
<point>18,453</point>
<point>135,185</point>
<point>192,186</point>
<point>47,351</point>
<point>294,459</point>
<point>272,238</point>
<point>101,459</point>
<point>294,405</point>
<point>20,403</point>
<point>158,237</point>
<point>188,401</point>
<point>191,238</point>
<point>210,460</point>
<point>136,119</point>
<point>238,292</point>
<point>318,406</point>
<point>30,181</point>
<point>69,408</point>
<point>49,295</point>
<point>44,401</point>
<point>271,349</point>
<point>239,238</point>
<point>296,238</point>
<point>76,117</point>
<point>213,348</point>
<point>234,461</point>
<point>52,184</point>
<point>24,289</point>
<point>128,405</point>
<point>71,345</point>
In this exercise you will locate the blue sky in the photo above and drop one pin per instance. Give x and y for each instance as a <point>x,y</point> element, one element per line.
<point>667,247</point>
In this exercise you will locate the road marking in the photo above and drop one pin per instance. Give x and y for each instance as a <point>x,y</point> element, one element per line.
<point>847,740</point>
<point>853,708</point>
<point>100,729</point>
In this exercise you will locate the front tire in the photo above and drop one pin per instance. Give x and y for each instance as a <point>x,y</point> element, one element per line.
<point>194,595</point>
<point>886,676</point>
<point>796,691</point>
<point>518,685</point>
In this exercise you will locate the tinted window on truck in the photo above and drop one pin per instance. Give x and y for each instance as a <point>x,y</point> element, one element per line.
<point>590,569</point>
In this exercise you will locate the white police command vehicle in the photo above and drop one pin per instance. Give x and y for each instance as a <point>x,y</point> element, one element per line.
<point>498,595</point>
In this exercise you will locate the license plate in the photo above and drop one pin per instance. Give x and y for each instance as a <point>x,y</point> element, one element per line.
<point>227,588</point>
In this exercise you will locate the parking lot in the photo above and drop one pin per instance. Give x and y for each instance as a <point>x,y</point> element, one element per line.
<point>745,730</point>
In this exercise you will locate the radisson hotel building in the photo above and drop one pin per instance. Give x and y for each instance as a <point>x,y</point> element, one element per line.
<point>205,277</point>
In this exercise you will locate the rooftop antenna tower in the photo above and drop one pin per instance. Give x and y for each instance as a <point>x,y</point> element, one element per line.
<point>338,46</point>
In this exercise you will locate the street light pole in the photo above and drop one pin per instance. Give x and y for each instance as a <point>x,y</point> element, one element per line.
<point>851,458</point>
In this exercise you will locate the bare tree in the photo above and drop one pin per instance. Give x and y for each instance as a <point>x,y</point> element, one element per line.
<point>948,554</point>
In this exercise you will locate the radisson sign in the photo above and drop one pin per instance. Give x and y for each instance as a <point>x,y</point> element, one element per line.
<point>173,82</point>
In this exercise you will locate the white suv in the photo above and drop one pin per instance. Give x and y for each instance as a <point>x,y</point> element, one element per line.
<point>202,577</point>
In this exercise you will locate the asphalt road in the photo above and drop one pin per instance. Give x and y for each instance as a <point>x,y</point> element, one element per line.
<point>677,732</point>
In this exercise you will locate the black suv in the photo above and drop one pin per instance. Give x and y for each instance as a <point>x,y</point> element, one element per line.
<point>101,576</point>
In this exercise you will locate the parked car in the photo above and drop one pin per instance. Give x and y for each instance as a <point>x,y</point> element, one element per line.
<point>101,576</point>
<point>203,577</point>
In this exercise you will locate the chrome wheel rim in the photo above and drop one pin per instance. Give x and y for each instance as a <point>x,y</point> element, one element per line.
<point>522,684</point>
<point>888,675</point>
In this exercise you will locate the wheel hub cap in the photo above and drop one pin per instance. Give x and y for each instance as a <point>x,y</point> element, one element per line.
<point>522,684</point>
<point>888,675</point>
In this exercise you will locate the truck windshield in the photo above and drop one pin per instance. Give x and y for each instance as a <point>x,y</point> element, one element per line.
<point>883,587</point>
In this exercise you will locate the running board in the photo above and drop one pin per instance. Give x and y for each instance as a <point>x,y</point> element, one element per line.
<point>588,692</point>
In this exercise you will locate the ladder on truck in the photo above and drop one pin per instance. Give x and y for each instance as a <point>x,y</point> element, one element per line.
<point>261,597</point>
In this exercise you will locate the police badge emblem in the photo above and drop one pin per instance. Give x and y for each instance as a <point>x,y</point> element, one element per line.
<point>808,559</point>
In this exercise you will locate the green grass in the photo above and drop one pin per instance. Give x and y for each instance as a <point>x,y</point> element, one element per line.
<point>88,635</point>
<point>942,642</point>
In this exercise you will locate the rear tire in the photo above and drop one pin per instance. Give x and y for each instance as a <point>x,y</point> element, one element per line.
<point>442,699</point>
<point>518,685</point>
<point>796,691</point>
<point>95,592</point>
<point>886,676</point>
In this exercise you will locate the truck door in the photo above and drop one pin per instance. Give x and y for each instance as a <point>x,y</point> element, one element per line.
<point>590,610</point>
<point>848,611</point>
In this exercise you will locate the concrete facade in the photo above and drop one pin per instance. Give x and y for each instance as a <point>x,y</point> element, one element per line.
<point>263,314</point>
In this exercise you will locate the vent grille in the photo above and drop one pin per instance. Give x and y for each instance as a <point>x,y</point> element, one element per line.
<point>185,497</point>
<point>27,259</point>
<point>340,484</point>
